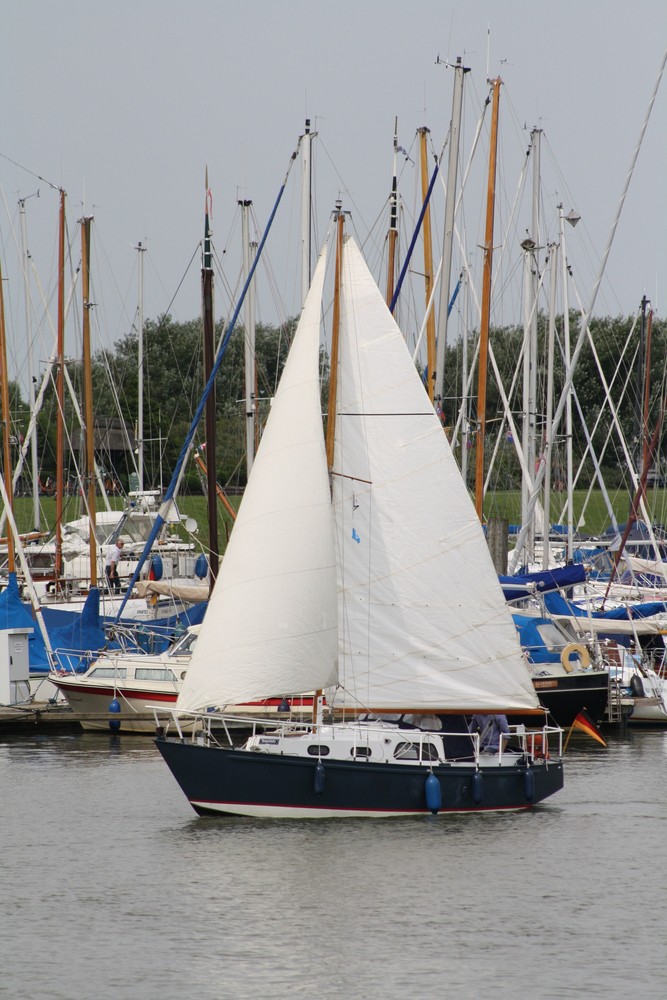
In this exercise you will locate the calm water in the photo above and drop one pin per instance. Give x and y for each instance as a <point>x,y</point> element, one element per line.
<point>113,888</point>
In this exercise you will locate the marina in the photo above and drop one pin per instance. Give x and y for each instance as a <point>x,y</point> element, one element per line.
<point>333,489</point>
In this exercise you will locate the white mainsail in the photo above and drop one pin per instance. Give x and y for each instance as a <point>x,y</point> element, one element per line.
<point>271,625</point>
<point>423,623</point>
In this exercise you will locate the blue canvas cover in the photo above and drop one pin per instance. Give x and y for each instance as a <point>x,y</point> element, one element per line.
<point>553,579</point>
<point>557,605</point>
<point>15,614</point>
<point>73,642</point>
<point>532,641</point>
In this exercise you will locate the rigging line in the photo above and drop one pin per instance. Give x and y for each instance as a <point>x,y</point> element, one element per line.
<point>589,438</point>
<point>428,196</point>
<point>188,443</point>
<point>634,478</point>
<point>601,414</point>
<point>539,477</point>
<point>178,287</point>
<point>55,187</point>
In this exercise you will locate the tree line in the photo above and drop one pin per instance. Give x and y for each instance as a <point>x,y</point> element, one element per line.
<point>173,382</point>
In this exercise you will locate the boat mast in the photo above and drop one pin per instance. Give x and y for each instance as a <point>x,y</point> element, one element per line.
<point>428,268</point>
<point>530,247</point>
<point>647,379</point>
<point>36,518</point>
<point>89,471</point>
<point>209,333</point>
<point>249,324</point>
<point>6,428</point>
<point>306,228</point>
<point>450,206</point>
<point>465,401</point>
<point>486,305</point>
<point>548,456</point>
<point>60,391</point>
<point>335,333</point>
<point>339,217</point>
<point>572,218</point>
<point>393,224</point>
<point>140,370</point>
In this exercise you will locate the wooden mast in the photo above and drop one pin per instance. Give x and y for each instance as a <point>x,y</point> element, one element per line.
<point>486,306</point>
<point>333,377</point>
<point>6,428</point>
<point>335,331</point>
<point>60,392</point>
<point>89,471</point>
<point>393,224</point>
<point>428,268</point>
<point>207,314</point>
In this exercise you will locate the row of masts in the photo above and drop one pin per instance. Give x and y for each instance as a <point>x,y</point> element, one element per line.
<point>435,354</point>
<point>436,339</point>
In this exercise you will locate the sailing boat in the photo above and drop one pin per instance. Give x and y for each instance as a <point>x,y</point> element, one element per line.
<point>371,581</point>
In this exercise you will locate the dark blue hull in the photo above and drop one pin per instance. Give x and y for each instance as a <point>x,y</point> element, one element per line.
<point>565,697</point>
<point>237,782</point>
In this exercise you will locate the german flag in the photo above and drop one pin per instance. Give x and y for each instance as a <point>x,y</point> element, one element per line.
<point>585,724</point>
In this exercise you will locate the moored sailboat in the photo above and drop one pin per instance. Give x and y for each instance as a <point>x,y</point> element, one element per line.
<point>368,576</point>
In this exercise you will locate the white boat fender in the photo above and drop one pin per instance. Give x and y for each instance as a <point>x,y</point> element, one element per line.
<point>477,787</point>
<point>433,794</point>
<point>114,707</point>
<point>574,649</point>
<point>319,778</point>
<point>529,784</point>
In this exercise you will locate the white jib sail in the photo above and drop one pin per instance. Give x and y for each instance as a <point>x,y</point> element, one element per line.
<point>271,625</point>
<point>423,623</point>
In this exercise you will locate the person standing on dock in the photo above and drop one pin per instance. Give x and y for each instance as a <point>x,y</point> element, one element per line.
<point>113,557</point>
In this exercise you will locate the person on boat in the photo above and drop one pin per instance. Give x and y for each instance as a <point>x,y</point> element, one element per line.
<point>113,557</point>
<point>492,729</point>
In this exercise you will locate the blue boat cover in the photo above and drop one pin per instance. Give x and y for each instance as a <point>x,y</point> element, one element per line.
<point>553,579</point>
<point>532,641</point>
<point>15,614</point>
<point>557,605</point>
<point>76,637</point>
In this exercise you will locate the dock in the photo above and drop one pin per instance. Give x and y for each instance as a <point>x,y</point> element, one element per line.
<point>49,717</point>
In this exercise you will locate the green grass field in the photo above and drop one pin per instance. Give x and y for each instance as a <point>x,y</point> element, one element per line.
<point>499,504</point>
<point>596,517</point>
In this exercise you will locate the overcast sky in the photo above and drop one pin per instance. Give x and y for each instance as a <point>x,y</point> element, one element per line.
<point>124,104</point>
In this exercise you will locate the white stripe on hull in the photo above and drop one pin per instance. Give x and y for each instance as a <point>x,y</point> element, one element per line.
<point>303,812</point>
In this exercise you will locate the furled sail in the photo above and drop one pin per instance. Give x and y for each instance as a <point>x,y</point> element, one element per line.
<point>271,625</point>
<point>423,623</point>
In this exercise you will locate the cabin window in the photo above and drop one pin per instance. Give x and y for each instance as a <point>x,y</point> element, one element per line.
<point>119,674</point>
<point>317,751</point>
<point>411,751</point>
<point>154,674</point>
<point>363,752</point>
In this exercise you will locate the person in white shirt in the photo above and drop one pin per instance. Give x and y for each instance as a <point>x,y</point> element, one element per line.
<point>113,557</point>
